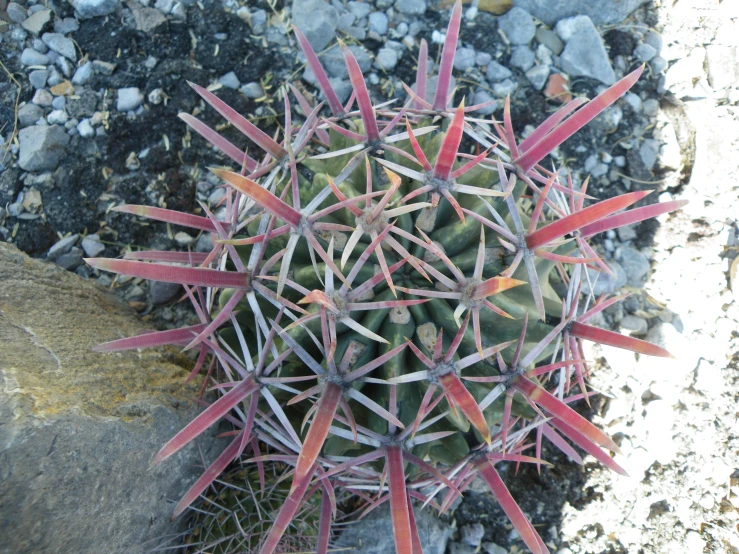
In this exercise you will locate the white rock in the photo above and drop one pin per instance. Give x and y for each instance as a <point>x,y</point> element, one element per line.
<point>87,9</point>
<point>129,98</point>
<point>85,129</point>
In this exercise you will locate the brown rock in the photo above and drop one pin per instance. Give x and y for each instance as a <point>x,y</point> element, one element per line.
<point>79,429</point>
<point>64,88</point>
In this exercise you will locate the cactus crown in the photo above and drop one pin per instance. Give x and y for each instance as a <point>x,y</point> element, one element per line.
<point>379,303</point>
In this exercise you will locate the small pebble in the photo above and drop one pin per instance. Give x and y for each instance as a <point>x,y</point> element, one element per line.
<point>496,72</point>
<point>57,117</point>
<point>38,78</point>
<point>481,97</point>
<point>482,59</point>
<point>161,292</point>
<point>29,114</point>
<point>71,259</point>
<point>156,96</point>
<point>505,88</point>
<point>252,90</point>
<point>129,98</point>
<point>538,75</point>
<point>30,57</point>
<point>60,44</point>
<point>62,247</point>
<point>42,97</point>
<point>378,22</point>
<point>183,239</point>
<point>518,26</point>
<point>59,103</point>
<point>83,74</point>
<point>387,59</point>
<point>16,12</point>
<point>645,52</point>
<point>464,59</point>
<point>522,57</point>
<point>85,129</point>
<point>230,80</point>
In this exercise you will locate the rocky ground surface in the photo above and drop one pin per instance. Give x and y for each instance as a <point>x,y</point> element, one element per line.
<point>88,121</point>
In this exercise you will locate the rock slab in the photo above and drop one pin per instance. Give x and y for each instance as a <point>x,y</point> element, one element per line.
<point>79,429</point>
<point>374,534</point>
<point>602,12</point>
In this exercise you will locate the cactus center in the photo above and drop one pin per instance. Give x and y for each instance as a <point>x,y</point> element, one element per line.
<point>468,292</point>
<point>371,224</point>
<point>439,185</point>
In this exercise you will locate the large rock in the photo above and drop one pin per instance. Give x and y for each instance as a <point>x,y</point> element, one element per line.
<point>602,12</point>
<point>79,429</point>
<point>584,54</point>
<point>318,21</point>
<point>87,9</point>
<point>42,147</point>
<point>373,534</point>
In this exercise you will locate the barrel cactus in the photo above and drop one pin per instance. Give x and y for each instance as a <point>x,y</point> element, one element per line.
<point>393,303</point>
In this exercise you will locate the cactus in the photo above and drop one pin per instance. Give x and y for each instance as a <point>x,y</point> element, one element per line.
<point>235,516</point>
<point>379,308</point>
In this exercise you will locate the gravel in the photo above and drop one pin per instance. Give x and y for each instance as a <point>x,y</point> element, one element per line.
<point>359,9</point>
<point>333,61</point>
<point>16,12</point>
<point>648,151</point>
<point>604,282</point>
<point>42,97</point>
<point>504,88</point>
